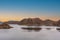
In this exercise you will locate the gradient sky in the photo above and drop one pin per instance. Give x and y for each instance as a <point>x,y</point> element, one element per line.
<point>19,9</point>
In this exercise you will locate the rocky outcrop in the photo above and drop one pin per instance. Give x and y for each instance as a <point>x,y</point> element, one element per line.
<point>58,23</point>
<point>49,23</point>
<point>31,22</point>
<point>38,22</point>
<point>4,26</point>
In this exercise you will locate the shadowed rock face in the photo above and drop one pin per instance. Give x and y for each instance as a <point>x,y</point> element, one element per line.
<point>4,26</point>
<point>31,22</point>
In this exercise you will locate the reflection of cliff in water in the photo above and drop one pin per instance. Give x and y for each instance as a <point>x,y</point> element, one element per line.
<point>48,28</point>
<point>58,29</point>
<point>29,28</point>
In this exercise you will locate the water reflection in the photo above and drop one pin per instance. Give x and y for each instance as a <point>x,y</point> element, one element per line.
<point>48,28</point>
<point>32,33</point>
<point>58,29</point>
<point>37,30</point>
<point>31,29</point>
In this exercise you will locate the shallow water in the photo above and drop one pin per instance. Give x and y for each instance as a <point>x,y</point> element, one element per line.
<point>17,33</point>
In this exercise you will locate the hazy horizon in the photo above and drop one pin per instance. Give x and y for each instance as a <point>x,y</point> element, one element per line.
<point>19,9</point>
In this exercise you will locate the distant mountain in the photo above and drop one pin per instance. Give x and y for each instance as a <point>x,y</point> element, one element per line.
<point>31,22</point>
<point>1,23</point>
<point>4,26</point>
<point>12,22</point>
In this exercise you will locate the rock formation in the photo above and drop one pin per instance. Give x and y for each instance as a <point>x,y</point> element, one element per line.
<point>4,26</point>
<point>49,23</point>
<point>31,22</point>
<point>58,23</point>
<point>35,22</point>
<point>38,22</point>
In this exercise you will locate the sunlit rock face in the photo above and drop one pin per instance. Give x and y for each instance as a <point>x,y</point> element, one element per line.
<point>49,23</point>
<point>37,21</point>
<point>31,22</point>
<point>4,26</point>
<point>58,23</point>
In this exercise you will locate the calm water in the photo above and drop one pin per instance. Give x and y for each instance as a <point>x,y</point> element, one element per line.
<point>17,33</point>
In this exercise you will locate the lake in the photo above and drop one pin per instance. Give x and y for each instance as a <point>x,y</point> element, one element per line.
<point>16,33</point>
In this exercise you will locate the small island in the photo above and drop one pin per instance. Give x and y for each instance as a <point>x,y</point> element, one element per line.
<point>4,26</point>
<point>39,22</point>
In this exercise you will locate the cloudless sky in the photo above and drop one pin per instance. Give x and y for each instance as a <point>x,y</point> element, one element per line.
<point>18,9</point>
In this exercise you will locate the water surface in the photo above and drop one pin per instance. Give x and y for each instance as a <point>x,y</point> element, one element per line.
<point>17,33</point>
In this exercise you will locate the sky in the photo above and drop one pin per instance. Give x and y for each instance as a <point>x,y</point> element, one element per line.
<point>19,9</point>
